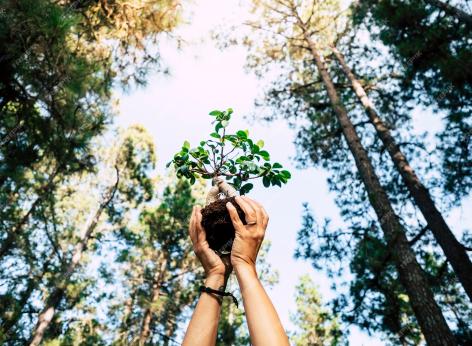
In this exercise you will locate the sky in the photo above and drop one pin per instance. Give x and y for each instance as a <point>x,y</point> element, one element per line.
<point>175,108</point>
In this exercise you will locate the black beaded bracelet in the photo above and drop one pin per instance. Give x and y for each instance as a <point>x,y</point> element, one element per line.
<point>220,293</point>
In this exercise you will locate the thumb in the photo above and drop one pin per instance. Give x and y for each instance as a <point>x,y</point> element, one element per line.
<point>233,213</point>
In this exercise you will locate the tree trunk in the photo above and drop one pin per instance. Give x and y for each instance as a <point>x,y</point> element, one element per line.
<point>453,11</point>
<point>47,314</point>
<point>7,244</point>
<point>430,317</point>
<point>155,292</point>
<point>453,249</point>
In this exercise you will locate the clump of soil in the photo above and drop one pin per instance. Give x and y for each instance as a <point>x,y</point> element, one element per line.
<point>218,226</point>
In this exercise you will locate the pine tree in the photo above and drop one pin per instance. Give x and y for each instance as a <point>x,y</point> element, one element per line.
<point>133,157</point>
<point>303,30</point>
<point>59,63</point>
<point>434,51</point>
<point>317,326</point>
<point>455,252</point>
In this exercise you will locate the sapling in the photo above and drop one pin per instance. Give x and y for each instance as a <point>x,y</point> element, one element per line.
<point>230,160</point>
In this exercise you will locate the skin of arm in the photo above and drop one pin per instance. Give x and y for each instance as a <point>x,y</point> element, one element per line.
<point>264,324</point>
<point>202,329</point>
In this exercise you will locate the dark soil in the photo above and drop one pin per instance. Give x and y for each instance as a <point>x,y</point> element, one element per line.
<point>218,226</point>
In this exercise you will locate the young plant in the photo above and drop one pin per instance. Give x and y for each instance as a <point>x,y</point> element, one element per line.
<point>230,160</point>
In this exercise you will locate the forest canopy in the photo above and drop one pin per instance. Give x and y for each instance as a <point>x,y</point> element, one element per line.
<point>375,94</point>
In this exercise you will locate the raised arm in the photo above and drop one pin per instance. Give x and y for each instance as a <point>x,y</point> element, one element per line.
<point>202,329</point>
<point>264,324</point>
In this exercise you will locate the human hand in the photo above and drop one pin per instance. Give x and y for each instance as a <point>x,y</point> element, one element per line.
<point>248,238</point>
<point>213,264</point>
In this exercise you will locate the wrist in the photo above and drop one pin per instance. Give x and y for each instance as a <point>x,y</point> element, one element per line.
<point>215,281</point>
<point>245,269</point>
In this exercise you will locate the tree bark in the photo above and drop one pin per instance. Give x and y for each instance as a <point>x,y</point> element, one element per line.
<point>430,317</point>
<point>220,186</point>
<point>155,292</point>
<point>453,11</point>
<point>453,249</point>
<point>49,310</point>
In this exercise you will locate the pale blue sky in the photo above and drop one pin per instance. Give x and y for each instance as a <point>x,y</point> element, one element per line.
<point>175,108</point>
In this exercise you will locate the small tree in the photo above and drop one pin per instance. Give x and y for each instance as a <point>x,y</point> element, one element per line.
<point>230,161</point>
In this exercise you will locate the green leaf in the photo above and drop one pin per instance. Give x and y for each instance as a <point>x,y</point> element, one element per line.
<point>260,144</point>
<point>241,159</point>
<point>184,170</point>
<point>282,178</point>
<point>186,144</point>
<point>246,188</point>
<point>276,181</point>
<point>266,181</point>
<point>215,135</point>
<point>237,183</point>
<point>242,134</point>
<point>276,165</point>
<point>215,113</point>
<point>218,126</point>
<point>265,155</point>
<point>286,174</point>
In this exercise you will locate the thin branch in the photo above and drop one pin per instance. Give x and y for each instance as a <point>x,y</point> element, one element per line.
<point>419,235</point>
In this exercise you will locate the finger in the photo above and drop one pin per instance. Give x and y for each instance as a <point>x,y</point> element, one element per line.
<point>249,212</point>
<point>191,227</point>
<point>201,236</point>
<point>233,213</point>
<point>262,216</point>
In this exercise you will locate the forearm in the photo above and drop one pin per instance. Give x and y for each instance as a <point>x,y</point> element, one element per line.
<point>203,326</point>
<point>264,324</point>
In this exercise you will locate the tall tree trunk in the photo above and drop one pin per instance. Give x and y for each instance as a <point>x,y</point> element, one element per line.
<point>8,243</point>
<point>49,310</point>
<point>453,249</point>
<point>453,11</point>
<point>155,292</point>
<point>430,317</point>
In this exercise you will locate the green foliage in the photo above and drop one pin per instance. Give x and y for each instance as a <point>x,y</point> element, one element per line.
<point>373,299</point>
<point>234,156</point>
<point>158,270</point>
<point>435,60</point>
<point>316,325</point>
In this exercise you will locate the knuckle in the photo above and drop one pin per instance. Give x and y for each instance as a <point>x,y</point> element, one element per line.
<point>251,215</point>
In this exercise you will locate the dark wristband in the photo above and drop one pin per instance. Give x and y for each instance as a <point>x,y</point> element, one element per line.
<point>219,293</point>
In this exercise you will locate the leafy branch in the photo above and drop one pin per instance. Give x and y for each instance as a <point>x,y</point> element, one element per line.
<point>231,156</point>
